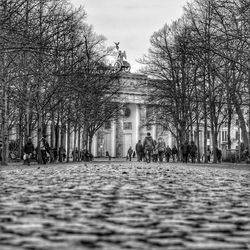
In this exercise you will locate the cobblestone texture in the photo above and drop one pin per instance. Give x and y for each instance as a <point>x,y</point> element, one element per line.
<point>124,206</point>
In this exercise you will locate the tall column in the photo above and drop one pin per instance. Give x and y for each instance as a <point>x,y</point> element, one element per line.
<point>170,140</point>
<point>119,138</point>
<point>154,132</point>
<point>137,122</point>
<point>142,115</point>
<point>113,139</point>
<point>94,146</point>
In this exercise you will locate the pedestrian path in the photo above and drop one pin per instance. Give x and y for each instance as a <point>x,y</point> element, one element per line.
<point>20,165</point>
<point>124,205</point>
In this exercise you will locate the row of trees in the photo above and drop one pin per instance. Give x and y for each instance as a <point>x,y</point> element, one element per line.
<point>53,71</point>
<point>201,63</point>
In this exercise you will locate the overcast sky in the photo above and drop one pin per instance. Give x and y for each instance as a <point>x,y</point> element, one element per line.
<point>130,22</point>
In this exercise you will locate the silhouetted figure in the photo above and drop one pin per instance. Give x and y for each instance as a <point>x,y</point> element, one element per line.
<point>161,146</point>
<point>168,153</point>
<point>108,155</point>
<point>208,153</point>
<point>129,154</point>
<point>219,154</point>
<point>185,149</point>
<point>45,149</point>
<point>174,153</point>
<point>148,145</point>
<point>139,150</point>
<point>193,151</point>
<point>28,151</point>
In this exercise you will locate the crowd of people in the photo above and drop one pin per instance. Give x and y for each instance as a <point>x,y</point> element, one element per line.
<point>157,150</point>
<point>49,154</point>
<point>148,150</point>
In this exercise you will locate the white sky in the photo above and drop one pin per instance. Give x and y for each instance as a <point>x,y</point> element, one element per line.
<point>130,22</point>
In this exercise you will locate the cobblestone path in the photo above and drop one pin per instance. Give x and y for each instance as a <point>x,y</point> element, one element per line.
<point>124,206</point>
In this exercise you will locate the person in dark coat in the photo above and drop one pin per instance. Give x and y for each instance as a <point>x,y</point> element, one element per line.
<point>155,152</point>
<point>193,151</point>
<point>174,153</point>
<point>148,146</point>
<point>28,151</point>
<point>130,152</point>
<point>208,153</point>
<point>45,149</point>
<point>218,154</point>
<point>161,146</point>
<point>108,155</point>
<point>139,150</point>
<point>247,156</point>
<point>168,153</point>
<point>185,150</point>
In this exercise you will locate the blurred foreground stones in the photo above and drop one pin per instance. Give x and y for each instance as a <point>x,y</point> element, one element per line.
<point>124,206</point>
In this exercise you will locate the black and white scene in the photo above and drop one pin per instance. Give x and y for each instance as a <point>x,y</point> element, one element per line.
<point>124,124</point>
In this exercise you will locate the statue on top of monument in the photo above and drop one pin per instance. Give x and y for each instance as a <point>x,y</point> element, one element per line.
<point>117,45</point>
<point>121,64</point>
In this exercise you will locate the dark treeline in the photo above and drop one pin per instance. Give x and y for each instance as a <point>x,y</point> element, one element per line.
<point>201,63</point>
<point>53,74</point>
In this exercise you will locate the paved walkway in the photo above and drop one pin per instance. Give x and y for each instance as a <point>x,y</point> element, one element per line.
<point>19,165</point>
<point>125,205</point>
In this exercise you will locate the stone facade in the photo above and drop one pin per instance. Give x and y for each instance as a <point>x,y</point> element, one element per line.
<point>130,127</point>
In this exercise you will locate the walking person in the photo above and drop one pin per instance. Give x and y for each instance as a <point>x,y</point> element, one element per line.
<point>63,154</point>
<point>139,150</point>
<point>193,151</point>
<point>185,149</point>
<point>155,152</point>
<point>161,149</point>
<point>44,147</point>
<point>148,145</point>
<point>208,153</point>
<point>218,154</point>
<point>75,154</point>
<point>28,151</point>
<point>108,155</point>
<point>246,155</point>
<point>130,153</point>
<point>174,153</point>
<point>168,153</point>
<point>60,154</point>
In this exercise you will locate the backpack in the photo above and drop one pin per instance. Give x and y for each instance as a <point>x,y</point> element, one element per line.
<point>148,143</point>
<point>174,151</point>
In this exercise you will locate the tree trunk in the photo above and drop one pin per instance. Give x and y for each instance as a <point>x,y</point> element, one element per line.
<point>52,131</point>
<point>241,119</point>
<point>198,138</point>
<point>20,136</point>
<point>75,131</point>
<point>79,142</point>
<point>39,137</point>
<point>249,106</point>
<point>229,122</point>
<point>213,130</point>
<point>4,127</point>
<point>205,117</point>
<point>68,141</point>
<point>90,144</point>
